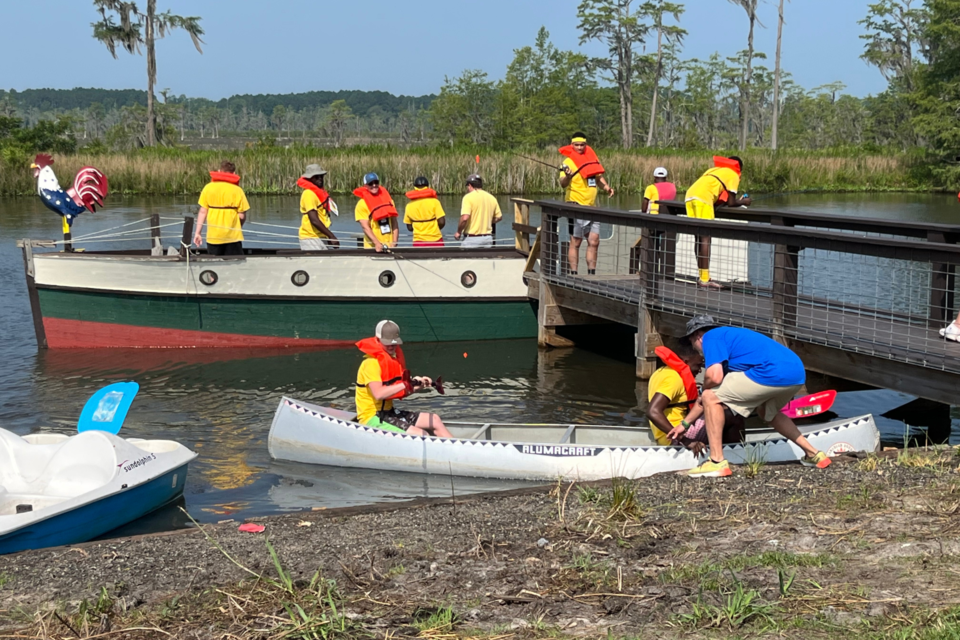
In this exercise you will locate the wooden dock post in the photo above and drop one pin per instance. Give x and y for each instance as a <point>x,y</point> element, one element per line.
<point>156,244</point>
<point>186,238</point>
<point>942,283</point>
<point>546,328</point>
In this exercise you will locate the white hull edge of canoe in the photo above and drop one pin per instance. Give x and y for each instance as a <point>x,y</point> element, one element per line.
<point>302,432</point>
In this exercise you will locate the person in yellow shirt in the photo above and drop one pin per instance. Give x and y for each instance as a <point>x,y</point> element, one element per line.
<point>424,215</point>
<point>580,175</point>
<point>382,378</point>
<point>315,208</point>
<point>659,190</point>
<point>479,213</point>
<point>377,214</point>
<point>223,207</point>
<point>667,392</point>
<point>716,185</point>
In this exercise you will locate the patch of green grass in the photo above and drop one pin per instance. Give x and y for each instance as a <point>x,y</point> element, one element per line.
<point>706,573</point>
<point>588,495</point>
<point>396,570</point>
<point>862,499</point>
<point>436,621</point>
<point>756,460</point>
<point>623,503</point>
<point>738,606</point>
<point>594,573</point>
<point>917,625</point>
<point>4,579</point>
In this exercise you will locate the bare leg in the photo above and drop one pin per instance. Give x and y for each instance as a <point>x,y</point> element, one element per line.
<point>432,424</point>
<point>703,252</point>
<point>713,416</point>
<point>573,253</point>
<point>593,243</point>
<point>786,427</point>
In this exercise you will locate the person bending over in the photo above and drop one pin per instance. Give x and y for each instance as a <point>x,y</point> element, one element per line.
<point>746,370</point>
<point>382,378</point>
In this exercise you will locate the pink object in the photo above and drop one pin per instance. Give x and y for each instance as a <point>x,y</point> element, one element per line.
<point>251,527</point>
<point>811,405</point>
<point>667,190</point>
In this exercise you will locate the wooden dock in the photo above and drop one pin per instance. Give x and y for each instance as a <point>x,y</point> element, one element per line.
<point>858,299</point>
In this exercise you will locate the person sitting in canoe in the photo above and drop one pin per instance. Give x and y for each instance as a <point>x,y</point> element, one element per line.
<point>675,411</point>
<point>382,378</point>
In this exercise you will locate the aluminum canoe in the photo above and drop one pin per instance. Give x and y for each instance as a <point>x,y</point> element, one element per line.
<point>303,432</point>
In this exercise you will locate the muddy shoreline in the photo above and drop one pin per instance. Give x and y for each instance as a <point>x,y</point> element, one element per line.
<point>865,547</point>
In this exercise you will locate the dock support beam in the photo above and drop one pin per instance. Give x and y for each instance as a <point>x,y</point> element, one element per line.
<point>546,329</point>
<point>648,339</point>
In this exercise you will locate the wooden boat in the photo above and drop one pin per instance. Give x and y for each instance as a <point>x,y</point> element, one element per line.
<point>303,432</point>
<point>274,297</point>
<point>57,489</point>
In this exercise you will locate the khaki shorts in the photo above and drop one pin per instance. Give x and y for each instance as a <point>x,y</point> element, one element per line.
<point>742,395</point>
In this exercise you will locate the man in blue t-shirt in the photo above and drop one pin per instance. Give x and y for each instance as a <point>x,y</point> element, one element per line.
<point>746,370</point>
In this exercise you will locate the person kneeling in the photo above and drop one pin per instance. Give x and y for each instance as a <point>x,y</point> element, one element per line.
<point>382,378</point>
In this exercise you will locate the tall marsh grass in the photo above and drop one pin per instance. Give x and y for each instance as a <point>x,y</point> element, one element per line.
<point>275,170</point>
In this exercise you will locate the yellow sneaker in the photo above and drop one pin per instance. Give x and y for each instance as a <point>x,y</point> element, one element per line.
<point>711,469</point>
<point>820,461</point>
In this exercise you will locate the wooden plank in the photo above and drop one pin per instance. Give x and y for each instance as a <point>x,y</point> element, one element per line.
<point>557,316</point>
<point>786,270</point>
<point>594,305</point>
<point>521,226</point>
<point>534,254</point>
<point>546,334</point>
<point>156,244</point>
<point>942,283</point>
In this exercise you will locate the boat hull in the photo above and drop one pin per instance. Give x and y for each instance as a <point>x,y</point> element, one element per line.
<point>124,301</point>
<point>97,518</point>
<point>306,433</point>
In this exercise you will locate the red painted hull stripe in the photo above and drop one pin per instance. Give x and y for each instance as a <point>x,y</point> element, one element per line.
<point>79,334</point>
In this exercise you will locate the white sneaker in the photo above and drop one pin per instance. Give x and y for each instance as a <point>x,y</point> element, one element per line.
<point>951,332</point>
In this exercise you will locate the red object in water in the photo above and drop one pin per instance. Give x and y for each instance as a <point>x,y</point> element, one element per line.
<point>811,405</point>
<point>251,527</point>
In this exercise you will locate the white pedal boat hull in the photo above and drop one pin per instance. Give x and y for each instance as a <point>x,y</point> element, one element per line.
<point>71,489</point>
<point>302,432</point>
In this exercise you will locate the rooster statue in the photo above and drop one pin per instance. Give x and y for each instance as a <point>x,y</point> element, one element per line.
<point>87,193</point>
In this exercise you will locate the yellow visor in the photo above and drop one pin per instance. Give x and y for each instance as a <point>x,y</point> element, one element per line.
<point>579,140</point>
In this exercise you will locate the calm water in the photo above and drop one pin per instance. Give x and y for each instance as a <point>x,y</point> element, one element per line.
<point>220,402</point>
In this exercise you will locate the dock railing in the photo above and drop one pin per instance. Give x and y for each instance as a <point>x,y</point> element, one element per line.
<point>878,287</point>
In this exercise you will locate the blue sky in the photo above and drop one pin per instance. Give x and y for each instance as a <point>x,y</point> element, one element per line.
<point>404,47</point>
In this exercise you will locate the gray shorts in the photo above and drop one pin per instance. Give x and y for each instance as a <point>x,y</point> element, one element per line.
<point>742,395</point>
<point>472,242</point>
<point>312,244</point>
<point>582,228</point>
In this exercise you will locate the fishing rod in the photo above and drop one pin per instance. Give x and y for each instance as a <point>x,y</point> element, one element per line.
<point>552,166</point>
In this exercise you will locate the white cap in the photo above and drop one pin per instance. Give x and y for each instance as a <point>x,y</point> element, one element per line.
<point>660,172</point>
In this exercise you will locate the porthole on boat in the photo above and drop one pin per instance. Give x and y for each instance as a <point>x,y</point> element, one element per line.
<point>300,278</point>
<point>468,279</point>
<point>208,278</point>
<point>387,278</point>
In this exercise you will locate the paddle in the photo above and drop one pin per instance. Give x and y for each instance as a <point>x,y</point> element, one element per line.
<point>107,408</point>
<point>811,405</point>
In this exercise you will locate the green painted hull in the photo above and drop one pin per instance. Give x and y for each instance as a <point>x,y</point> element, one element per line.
<point>77,318</point>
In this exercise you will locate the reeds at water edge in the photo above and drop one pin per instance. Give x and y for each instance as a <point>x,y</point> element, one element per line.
<point>275,170</point>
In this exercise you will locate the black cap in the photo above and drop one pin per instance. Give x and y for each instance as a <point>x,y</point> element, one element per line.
<point>475,180</point>
<point>420,182</point>
<point>700,322</point>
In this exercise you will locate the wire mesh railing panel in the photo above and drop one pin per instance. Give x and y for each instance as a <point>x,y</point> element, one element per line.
<point>874,292</point>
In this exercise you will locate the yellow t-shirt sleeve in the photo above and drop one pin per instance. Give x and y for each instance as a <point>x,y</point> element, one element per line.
<point>244,205</point>
<point>309,202</point>
<point>361,211</point>
<point>497,215</point>
<point>465,208</point>
<point>651,193</point>
<point>369,372</point>
<point>204,200</point>
<point>671,385</point>
<point>406,215</point>
<point>438,210</point>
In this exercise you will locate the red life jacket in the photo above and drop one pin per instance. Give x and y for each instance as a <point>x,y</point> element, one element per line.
<point>380,205</point>
<point>676,363</point>
<point>418,194</point>
<point>303,183</point>
<point>588,165</point>
<point>223,176</point>
<point>726,163</point>
<point>392,370</point>
<point>666,190</point>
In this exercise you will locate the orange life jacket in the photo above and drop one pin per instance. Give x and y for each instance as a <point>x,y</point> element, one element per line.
<point>303,183</point>
<point>380,205</point>
<point>588,165</point>
<point>223,176</point>
<point>676,363</point>
<point>417,194</point>
<point>392,370</point>
<point>726,163</point>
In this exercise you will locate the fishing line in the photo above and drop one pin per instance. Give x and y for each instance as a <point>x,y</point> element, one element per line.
<point>552,166</point>
<point>415,296</point>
